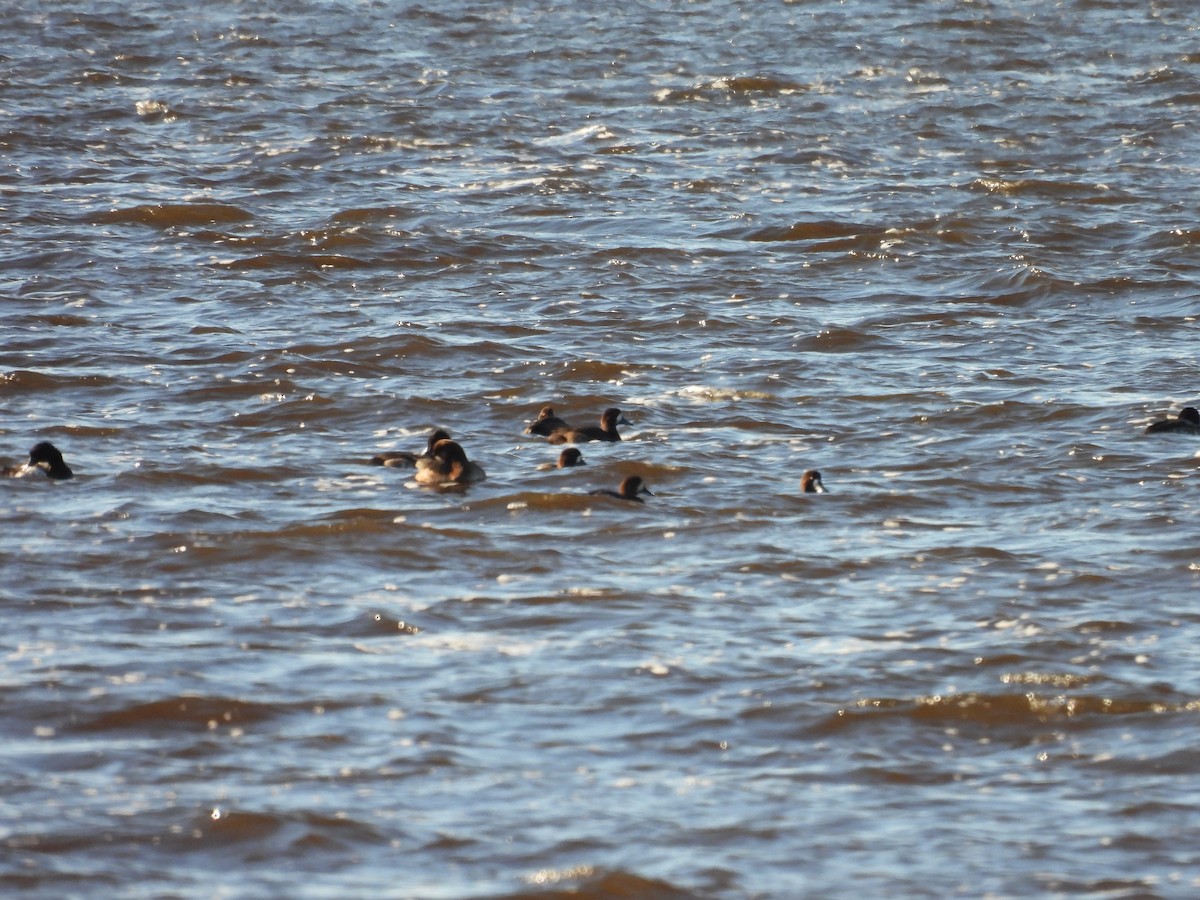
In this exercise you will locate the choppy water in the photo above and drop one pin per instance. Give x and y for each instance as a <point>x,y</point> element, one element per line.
<point>945,252</point>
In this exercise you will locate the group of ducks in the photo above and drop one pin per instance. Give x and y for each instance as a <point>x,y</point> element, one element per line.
<point>445,462</point>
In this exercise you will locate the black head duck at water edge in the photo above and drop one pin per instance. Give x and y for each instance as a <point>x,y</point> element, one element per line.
<point>447,463</point>
<point>605,431</point>
<point>547,423</point>
<point>1187,422</point>
<point>402,459</point>
<point>44,459</point>
<point>810,483</point>
<point>630,488</point>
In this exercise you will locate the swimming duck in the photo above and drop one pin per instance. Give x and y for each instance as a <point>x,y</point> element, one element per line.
<point>547,423</point>
<point>569,458</point>
<point>606,431</point>
<point>44,458</point>
<point>447,462</point>
<point>1187,422</point>
<point>629,490</point>
<point>810,483</point>
<point>403,459</point>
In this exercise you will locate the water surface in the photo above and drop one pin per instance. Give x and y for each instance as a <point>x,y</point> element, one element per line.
<point>947,255</point>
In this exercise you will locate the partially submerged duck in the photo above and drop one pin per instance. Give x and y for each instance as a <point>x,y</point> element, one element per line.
<point>568,459</point>
<point>1187,422</point>
<point>44,458</point>
<point>810,482</point>
<point>447,463</point>
<point>547,423</point>
<point>630,488</point>
<point>605,431</point>
<point>402,459</point>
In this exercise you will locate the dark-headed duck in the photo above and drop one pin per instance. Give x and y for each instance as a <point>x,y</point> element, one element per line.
<point>547,423</point>
<point>402,459</point>
<point>568,459</point>
<point>43,458</point>
<point>630,488</point>
<point>810,482</point>
<point>1187,422</point>
<point>605,431</point>
<point>447,462</point>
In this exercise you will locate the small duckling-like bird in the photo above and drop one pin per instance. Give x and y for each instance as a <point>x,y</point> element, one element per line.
<point>1187,422</point>
<point>403,459</point>
<point>630,488</point>
<point>447,463</point>
<point>44,458</point>
<point>547,423</point>
<point>606,431</point>
<point>810,483</point>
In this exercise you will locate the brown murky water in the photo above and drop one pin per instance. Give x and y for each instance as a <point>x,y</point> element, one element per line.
<point>947,253</point>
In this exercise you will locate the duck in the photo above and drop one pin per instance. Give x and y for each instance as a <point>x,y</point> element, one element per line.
<point>605,431</point>
<point>447,463</point>
<point>630,488</point>
<point>547,423</point>
<point>403,459</point>
<point>1187,422</point>
<point>810,483</point>
<point>568,459</point>
<point>44,458</point>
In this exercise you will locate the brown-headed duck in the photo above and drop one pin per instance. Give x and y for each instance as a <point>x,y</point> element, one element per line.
<point>1187,422</point>
<point>402,459</point>
<point>568,459</point>
<point>630,488</point>
<point>547,423</point>
<point>44,458</point>
<point>447,462</point>
<point>810,482</point>
<point>605,431</point>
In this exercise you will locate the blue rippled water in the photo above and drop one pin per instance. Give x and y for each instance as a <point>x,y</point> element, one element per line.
<point>946,254</point>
